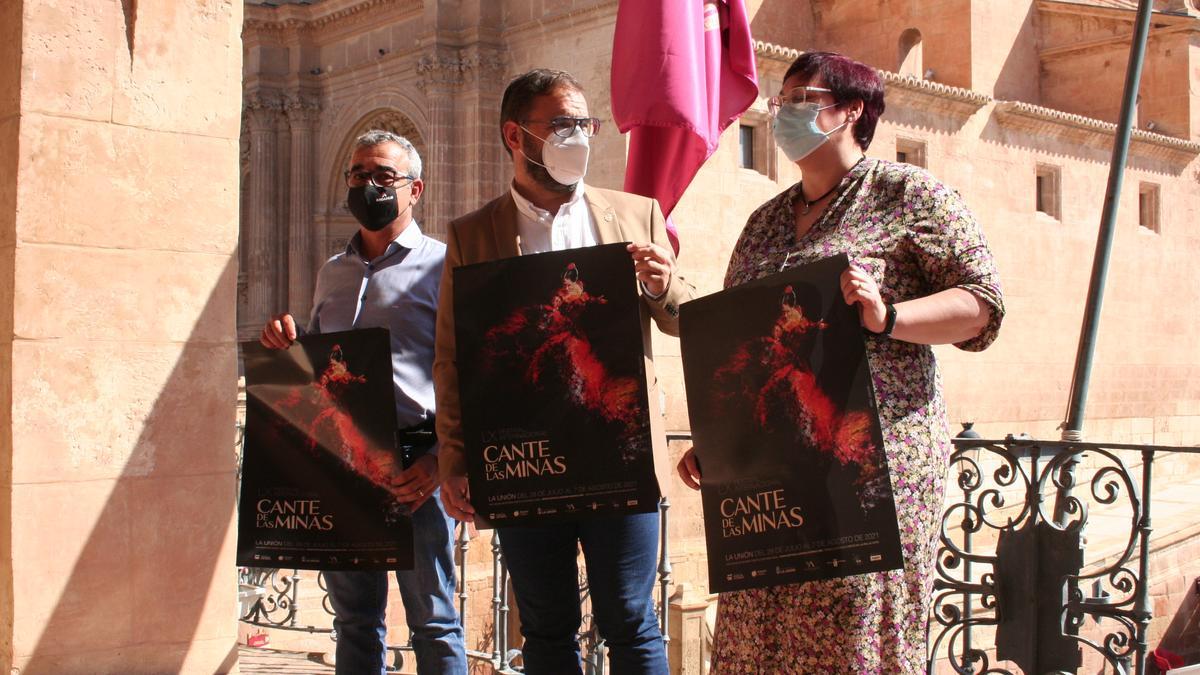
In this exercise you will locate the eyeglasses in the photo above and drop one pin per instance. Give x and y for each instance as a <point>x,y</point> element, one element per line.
<point>797,96</point>
<point>565,126</point>
<point>378,178</point>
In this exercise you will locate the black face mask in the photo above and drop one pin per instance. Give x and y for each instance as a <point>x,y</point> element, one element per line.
<point>374,207</point>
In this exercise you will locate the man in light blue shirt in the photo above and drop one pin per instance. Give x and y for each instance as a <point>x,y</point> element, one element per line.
<point>388,277</point>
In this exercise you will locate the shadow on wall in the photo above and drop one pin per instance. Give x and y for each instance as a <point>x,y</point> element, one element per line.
<point>1018,77</point>
<point>144,576</point>
<point>907,115</point>
<point>1182,636</point>
<point>1080,145</point>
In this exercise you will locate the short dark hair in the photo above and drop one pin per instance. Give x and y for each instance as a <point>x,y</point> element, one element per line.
<point>850,81</point>
<point>520,93</point>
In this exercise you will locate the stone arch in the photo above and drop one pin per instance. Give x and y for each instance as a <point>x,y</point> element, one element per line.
<point>909,54</point>
<point>344,120</point>
<point>389,119</point>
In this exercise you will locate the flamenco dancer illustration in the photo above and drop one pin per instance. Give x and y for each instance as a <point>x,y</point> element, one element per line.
<point>773,374</point>
<point>332,428</point>
<point>548,343</point>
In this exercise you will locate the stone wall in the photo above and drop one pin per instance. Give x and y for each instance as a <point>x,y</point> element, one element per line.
<point>118,221</point>
<point>11,28</point>
<point>1176,597</point>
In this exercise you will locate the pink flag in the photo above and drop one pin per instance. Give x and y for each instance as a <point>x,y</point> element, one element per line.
<point>682,71</point>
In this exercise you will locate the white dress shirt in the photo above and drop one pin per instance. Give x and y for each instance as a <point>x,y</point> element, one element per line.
<point>542,231</point>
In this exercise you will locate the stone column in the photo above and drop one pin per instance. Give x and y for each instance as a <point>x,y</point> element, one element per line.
<point>302,115</point>
<point>690,645</point>
<point>265,114</point>
<point>463,88</point>
<point>441,80</point>
<point>118,368</point>
<point>485,175</point>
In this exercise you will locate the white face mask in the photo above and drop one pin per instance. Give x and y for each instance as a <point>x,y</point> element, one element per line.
<point>565,159</point>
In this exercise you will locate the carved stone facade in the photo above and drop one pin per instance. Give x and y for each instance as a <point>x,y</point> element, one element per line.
<point>319,74</point>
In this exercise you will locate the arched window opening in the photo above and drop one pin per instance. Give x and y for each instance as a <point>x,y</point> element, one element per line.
<point>910,57</point>
<point>343,225</point>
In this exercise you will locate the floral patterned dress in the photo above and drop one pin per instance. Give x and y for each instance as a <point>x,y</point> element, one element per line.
<point>915,237</point>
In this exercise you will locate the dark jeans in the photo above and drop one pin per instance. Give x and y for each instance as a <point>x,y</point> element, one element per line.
<point>621,554</point>
<point>360,600</point>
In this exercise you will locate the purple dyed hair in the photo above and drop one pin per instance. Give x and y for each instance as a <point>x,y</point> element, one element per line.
<point>850,81</point>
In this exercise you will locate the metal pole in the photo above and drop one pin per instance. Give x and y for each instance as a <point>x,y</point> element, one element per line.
<point>498,645</point>
<point>967,524</point>
<point>664,570</point>
<point>1073,428</point>
<point>504,655</point>
<point>295,597</point>
<point>464,544</point>
<point>1143,608</point>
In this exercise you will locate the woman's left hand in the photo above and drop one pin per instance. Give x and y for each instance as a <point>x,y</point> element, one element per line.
<point>860,288</point>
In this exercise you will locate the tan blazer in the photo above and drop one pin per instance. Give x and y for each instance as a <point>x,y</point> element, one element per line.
<point>491,233</point>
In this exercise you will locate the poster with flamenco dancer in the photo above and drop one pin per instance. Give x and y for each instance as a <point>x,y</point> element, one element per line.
<point>552,381</point>
<point>319,456</point>
<point>795,482</point>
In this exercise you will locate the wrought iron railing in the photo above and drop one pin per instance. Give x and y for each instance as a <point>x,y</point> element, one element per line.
<point>1014,583</point>
<point>271,599</point>
<point>1015,580</point>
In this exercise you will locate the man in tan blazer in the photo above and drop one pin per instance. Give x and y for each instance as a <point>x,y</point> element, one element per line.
<point>545,127</point>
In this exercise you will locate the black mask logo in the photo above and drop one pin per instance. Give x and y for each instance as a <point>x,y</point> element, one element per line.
<point>374,207</point>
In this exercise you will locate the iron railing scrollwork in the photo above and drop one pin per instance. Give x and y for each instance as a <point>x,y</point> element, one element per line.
<point>271,598</point>
<point>1028,589</point>
<point>1013,590</point>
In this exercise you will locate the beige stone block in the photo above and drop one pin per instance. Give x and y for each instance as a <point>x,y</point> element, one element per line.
<point>201,657</point>
<point>10,59</point>
<point>169,296</point>
<point>108,410</point>
<point>7,256</point>
<point>665,345</point>
<point>1142,426</point>
<point>127,188</point>
<point>71,582</point>
<point>186,70</point>
<point>6,549</point>
<point>9,149</point>
<point>184,534</point>
<point>69,57</point>
<point>669,371</point>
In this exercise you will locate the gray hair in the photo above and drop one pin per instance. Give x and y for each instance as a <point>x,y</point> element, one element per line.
<point>376,137</point>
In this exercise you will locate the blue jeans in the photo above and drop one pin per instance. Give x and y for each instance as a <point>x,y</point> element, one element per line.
<point>359,599</point>
<point>621,554</point>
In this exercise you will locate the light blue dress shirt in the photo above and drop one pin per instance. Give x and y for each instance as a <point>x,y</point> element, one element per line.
<point>397,290</point>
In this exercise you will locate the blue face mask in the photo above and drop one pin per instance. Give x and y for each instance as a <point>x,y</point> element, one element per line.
<point>796,131</point>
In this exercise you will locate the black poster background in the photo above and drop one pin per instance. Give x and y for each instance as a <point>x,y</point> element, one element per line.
<point>320,418</point>
<point>553,387</point>
<point>796,485</point>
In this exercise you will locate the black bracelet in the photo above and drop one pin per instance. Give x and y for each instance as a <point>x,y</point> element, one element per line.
<point>889,321</point>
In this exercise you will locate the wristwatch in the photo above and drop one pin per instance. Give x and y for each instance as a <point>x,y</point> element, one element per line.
<point>889,321</point>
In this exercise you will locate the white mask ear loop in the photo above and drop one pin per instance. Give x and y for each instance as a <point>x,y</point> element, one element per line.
<point>522,149</point>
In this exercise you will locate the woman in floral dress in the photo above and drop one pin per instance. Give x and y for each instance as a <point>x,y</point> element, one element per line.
<point>921,274</point>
